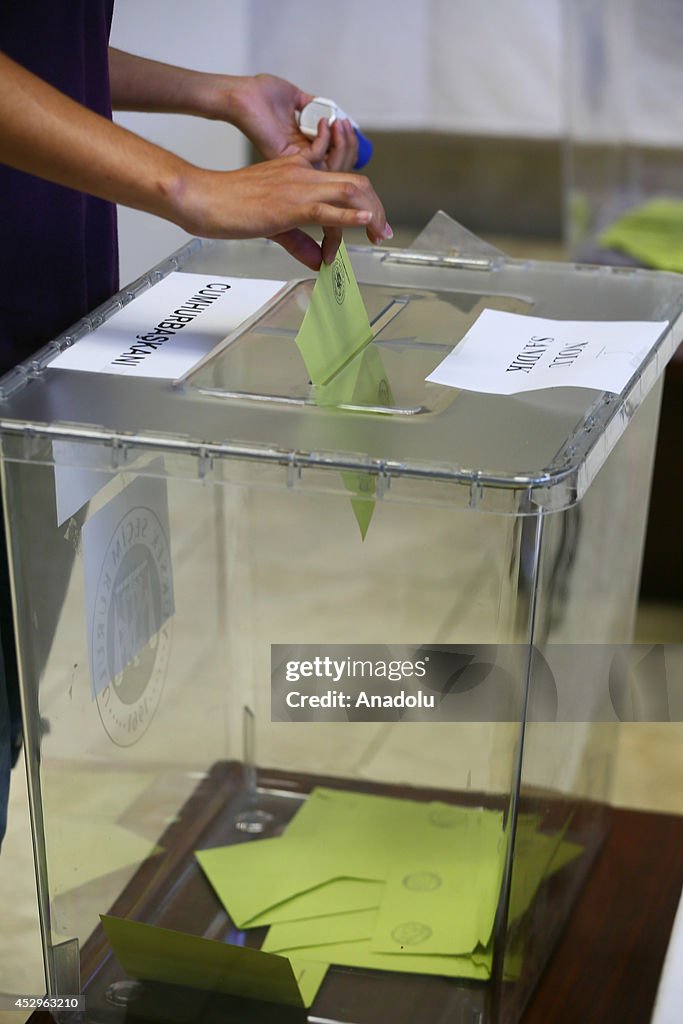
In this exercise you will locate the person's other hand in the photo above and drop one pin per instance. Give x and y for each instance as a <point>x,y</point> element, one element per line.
<point>335,148</point>
<point>276,199</point>
<point>263,107</point>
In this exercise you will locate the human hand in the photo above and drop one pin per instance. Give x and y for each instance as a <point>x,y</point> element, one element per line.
<point>263,107</point>
<point>275,199</point>
<point>60,140</point>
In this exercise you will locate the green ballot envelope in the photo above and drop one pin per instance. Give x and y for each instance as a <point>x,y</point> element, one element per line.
<point>652,233</point>
<point>430,894</point>
<point>346,369</point>
<point>160,954</point>
<point>362,381</point>
<point>336,325</point>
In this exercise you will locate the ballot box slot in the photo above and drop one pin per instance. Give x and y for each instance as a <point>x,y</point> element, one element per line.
<point>413,329</point>
<point>387,315</point>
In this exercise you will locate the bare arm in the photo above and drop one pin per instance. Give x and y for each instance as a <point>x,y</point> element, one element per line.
<point>261,106</point>
<point>141,84</point>
<point>47,134</point>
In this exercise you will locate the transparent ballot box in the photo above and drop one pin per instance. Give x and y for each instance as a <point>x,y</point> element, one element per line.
<point>195,557</point>
<point>624,146</point>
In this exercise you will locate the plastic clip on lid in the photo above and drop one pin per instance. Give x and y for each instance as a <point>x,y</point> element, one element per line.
<point>309,118</point>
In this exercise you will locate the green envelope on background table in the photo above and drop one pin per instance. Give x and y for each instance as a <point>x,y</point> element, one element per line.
<point>651,233</point>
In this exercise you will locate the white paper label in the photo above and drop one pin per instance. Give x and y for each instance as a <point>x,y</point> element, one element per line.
<point>506,353</point>
<point>81,470</point>
<point>165,331</point>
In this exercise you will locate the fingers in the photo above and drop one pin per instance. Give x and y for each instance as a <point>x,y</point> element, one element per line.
<point>329,215</point>
<point>302,99</point>
<point>320,144</point>
<point>277,197</point>
<point>335,147</point>
<point>301,246</point>
<point>331,241</point>
<point>385,235</point>
<point>343,150</point>
<point>356,202</point>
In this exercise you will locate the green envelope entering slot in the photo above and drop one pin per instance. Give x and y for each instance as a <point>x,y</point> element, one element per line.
<point>336,325</point>
<point>345,367</point>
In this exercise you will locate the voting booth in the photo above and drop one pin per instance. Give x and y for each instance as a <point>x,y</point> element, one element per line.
<point>623,167</point>
<point>317,658</point>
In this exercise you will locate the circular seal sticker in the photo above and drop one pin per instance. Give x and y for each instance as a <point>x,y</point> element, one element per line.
<point>339,280</point>
<point>422,881</point>
<point>448,817</point>
<point>131,636</point>
<point>412,933</point>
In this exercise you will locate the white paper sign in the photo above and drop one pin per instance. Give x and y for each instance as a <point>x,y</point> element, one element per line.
<point>81,470</point>
<point>506,353</point>
<point>166,330</point>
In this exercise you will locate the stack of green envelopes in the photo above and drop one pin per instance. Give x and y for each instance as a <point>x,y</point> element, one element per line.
<point>383,883</point>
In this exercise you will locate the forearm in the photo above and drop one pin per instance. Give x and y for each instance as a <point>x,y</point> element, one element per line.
<point>49,135</point>
<point>148,85</point>
<point>263,107</point>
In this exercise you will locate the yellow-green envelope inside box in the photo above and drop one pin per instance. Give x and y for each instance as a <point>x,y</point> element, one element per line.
<point>427,861</point>
<point>352,841</point>
<point>422,881</point>
<point>161,954</point>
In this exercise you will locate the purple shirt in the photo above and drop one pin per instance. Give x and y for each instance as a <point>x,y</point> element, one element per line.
<point>58,252</point>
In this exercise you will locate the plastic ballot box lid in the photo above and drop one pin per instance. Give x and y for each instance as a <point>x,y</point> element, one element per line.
<point>247,394</point>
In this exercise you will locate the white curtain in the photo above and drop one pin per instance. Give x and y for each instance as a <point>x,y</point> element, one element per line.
<point>471,66</point>
<point>491,67</point>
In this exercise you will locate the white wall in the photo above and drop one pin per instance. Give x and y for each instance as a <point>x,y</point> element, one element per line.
<point>473,66</point>
<point>209,35</point>
<point>484,67</point>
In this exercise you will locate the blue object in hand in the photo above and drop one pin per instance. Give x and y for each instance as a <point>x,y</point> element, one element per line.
<point>364,150</point>
<point>309,117</point>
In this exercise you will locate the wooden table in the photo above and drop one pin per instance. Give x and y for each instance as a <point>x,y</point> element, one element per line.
<point>604,967</point>
<point>607,965</point>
